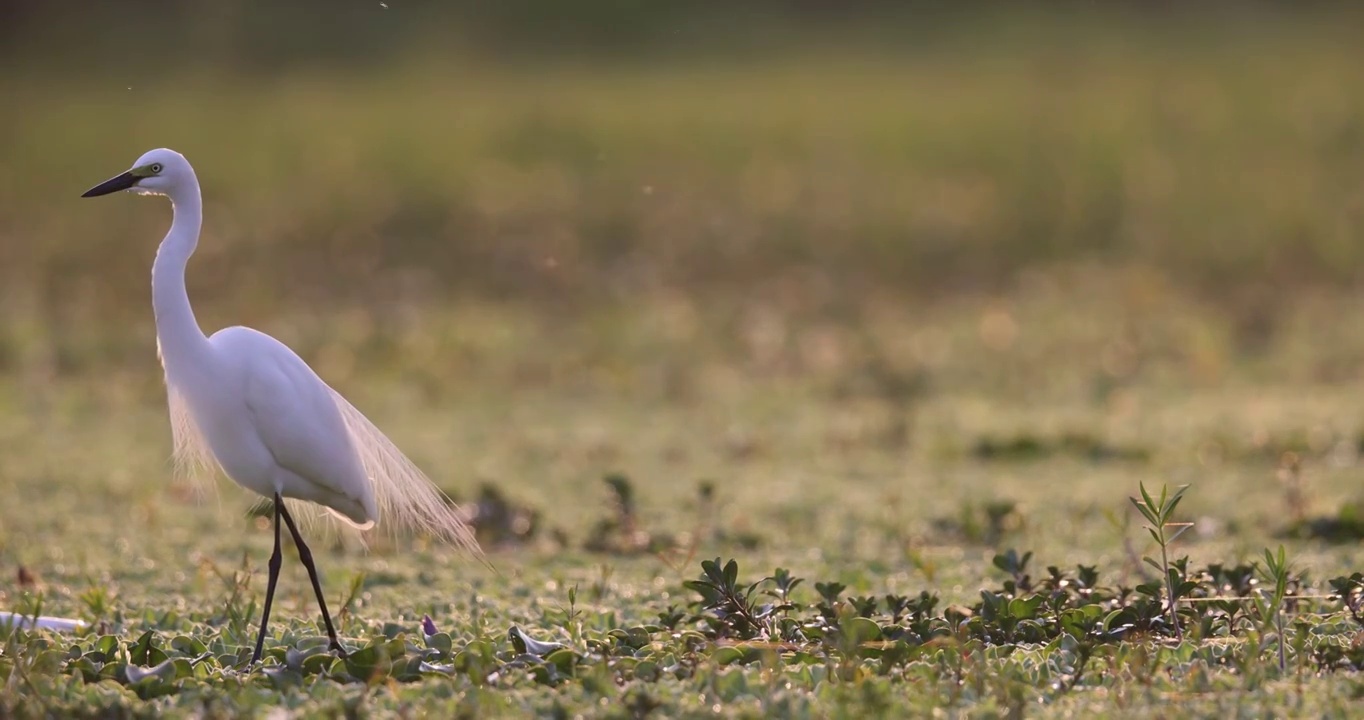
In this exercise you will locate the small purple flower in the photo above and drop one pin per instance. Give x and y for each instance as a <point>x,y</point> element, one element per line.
<point>428,627</point>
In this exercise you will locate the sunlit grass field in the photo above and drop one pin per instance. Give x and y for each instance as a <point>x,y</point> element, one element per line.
<point>874,317</point>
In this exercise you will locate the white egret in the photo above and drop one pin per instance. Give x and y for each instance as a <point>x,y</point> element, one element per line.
<point>244,401</point>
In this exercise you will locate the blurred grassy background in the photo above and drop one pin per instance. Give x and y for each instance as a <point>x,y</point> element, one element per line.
<point>870,269</point>
<point>803,159</point>
<point>790,229</point>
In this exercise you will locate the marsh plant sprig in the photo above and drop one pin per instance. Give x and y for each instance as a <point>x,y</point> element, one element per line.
<point>1270,608</point>
<point>722,593</point>
<point>1158,512</point>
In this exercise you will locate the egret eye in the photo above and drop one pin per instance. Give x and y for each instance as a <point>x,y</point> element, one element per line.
<point>156,167</point>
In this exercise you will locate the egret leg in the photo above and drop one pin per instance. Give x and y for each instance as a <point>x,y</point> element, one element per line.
<point>276,559</point>
<point>306,556</point>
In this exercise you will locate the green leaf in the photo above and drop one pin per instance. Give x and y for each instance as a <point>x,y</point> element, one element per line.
<point>727,655</point>
<point>633,638</point>
<point>564,659</point>
<point>711,569</point>
<point>731,684</point>
<point>188,646</point>
<point>1147,506</point>
<point>859,630</point>
<point>369,663</point>
<point>140,652</point>
<point>88,669</point>
<point>183,668</point>
<point>646,671</point>
<point>1174,501</point>
<point>440,641</point>
<point>47,662</point>
<point>318,663</point>
<point>293,658</point>
<point>108,646</point>
<point>1025,608</point>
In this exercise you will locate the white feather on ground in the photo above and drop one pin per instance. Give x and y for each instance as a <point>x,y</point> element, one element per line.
<point>42,622</point>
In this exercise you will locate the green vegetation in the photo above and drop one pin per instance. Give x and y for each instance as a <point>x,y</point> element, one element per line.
<point>816,381</point>
<point>1068,641</point>
<point>1025,642</point>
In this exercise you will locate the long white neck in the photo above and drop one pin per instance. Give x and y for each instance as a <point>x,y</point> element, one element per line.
<point>182,344</point>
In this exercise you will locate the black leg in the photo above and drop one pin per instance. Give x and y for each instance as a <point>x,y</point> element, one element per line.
<point>306,556</point>
<point>275,560</point>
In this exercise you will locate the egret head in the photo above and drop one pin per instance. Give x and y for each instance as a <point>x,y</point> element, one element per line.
<point>157,172</point>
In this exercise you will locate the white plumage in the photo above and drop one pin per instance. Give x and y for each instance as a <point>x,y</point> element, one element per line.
<point>243,401</point>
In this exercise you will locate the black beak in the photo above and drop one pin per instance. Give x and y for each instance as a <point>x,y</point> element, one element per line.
<point>113,184</point>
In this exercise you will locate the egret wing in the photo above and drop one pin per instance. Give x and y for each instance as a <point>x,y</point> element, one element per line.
<point>295,419</point>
